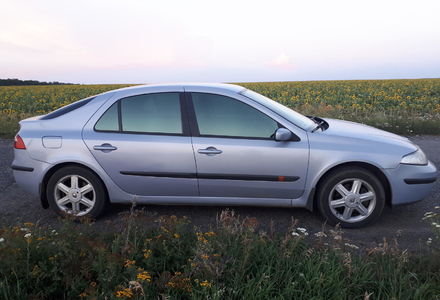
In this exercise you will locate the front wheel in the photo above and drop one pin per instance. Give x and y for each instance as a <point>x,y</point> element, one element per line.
<point>76,191</point>
<point>351,196</point>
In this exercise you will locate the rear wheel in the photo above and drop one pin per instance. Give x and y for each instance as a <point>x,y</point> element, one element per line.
<point>351,196</point>
<point>76,191</point>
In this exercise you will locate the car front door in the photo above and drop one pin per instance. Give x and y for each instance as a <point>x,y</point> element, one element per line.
<point>142,142</point>
<point>236,153</point>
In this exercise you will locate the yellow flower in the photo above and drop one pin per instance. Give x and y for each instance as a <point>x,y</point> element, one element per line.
<point>205,256</point>
<point>177,236</point>
<point>205,283</point>
<point>202,239</point>
<point>128,263</point>
<point>28,224</point>
<point>210,233</point>
<point>144,276</point>
<point>147,253</point>
<point>125,293</point>
<point>83,295</point>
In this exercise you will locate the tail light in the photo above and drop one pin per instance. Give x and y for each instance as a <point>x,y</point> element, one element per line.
<point>18,143</point>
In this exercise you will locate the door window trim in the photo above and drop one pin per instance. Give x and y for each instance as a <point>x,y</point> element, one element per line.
<point>183,113</point>
<point>194,127</point>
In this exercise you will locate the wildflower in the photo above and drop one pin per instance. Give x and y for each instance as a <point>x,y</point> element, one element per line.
<point>147,253</point>
<point>29,224</point>
<point>205,283</point>
<point>210,233</point>
<point>205,256</point>
<point>144,276</point>
<point>2,240</point>
<point>302,231</point>
<point>128,263</point>
<point>351,246</point>
<point>295,233</point>
<point>202,239</point>
<point>320,234</point>
<point>429,241</point>
<point>177,236</point>
<point>27,235</point>
<point>83,295</point>
<point>125,293</point>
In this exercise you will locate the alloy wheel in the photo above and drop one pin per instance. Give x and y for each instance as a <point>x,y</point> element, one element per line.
<point>352,200</point>
<point>75,195</point>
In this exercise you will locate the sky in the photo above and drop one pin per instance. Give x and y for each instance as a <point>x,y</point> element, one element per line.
<point>140,41</point>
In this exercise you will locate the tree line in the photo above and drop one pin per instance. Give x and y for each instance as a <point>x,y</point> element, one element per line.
<point>15,81</point>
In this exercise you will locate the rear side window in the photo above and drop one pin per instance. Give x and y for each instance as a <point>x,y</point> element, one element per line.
<point>109,120</point>
<point>65,109</point>
<point>149,113</point>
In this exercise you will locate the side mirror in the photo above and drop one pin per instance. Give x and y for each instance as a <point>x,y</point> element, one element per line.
<point>282,134</point>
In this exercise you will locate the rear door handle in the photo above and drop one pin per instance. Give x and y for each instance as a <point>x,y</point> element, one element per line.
<point>210,151</point>
<point>105,147</point>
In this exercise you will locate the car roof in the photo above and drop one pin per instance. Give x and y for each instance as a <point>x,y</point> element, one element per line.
<point>187,86</point>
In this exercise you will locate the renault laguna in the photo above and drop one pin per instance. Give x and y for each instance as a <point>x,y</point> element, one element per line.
<point>213,144</point>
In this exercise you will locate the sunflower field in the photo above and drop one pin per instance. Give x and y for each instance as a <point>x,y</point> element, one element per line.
<point>407,106</point>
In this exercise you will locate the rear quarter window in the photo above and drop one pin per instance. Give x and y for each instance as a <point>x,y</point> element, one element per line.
<point>66,109</point>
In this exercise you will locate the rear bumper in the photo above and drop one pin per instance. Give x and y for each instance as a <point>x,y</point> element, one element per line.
<point>411,183</point>
<point>28,173</point>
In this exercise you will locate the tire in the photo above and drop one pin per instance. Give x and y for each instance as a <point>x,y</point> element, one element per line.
<point>77,200</point>
<point>339,203</point>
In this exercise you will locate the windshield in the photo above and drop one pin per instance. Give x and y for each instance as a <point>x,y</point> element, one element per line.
<point>285,112</point>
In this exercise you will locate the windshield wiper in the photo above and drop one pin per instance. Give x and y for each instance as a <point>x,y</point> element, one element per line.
<point>321,124</point>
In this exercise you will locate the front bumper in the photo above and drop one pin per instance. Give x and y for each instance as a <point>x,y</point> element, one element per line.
<point>411,183</point>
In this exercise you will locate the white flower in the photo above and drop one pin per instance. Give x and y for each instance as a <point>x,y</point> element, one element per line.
<point>437,207</point>
<point>437,226</point>
<point>351,246</point>
<point>301,229</point>
<point>429,241</point>
<point>295,233</point>
<point>27,236</point>
<point>320,234</point>
<point>24,229</point>
<point>2,240</point>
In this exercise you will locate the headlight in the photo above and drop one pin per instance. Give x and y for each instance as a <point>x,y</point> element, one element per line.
<point>415,158</point>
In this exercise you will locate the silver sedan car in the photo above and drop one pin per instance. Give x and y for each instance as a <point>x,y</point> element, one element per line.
<point>213,144</point>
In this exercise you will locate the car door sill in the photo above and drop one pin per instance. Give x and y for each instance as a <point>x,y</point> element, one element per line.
<point>208,201</point>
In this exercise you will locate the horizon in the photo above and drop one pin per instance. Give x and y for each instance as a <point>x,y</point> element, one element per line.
<point>105,42</point>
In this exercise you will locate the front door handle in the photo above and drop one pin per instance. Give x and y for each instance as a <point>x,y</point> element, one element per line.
<point>105,147</point>
<point>209,151</point>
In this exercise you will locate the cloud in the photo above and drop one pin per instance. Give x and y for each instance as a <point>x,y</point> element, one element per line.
<point>282,61</point>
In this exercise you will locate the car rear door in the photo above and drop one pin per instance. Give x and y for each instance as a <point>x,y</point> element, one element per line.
<point>236,154</point>
<point>142,142</point>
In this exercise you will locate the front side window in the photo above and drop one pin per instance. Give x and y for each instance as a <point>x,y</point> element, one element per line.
<point>148,113</point>
<point>227,117</point>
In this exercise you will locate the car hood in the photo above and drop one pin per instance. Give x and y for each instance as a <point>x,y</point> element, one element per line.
<point>360,131</point>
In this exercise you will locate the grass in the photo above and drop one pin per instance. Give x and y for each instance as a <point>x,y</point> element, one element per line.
<point>168,258</point>
<point>409,106</point>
